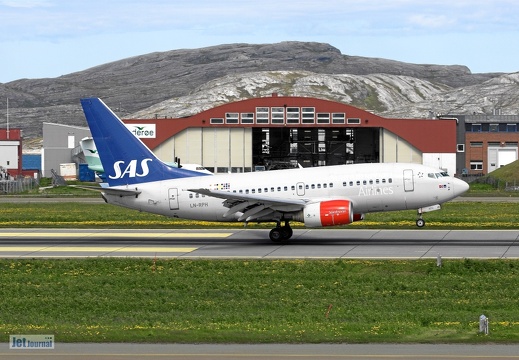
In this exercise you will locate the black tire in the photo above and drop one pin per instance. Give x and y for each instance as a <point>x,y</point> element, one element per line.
<point>420,223</point>
<point>276,235</point>
<point>287,232</point>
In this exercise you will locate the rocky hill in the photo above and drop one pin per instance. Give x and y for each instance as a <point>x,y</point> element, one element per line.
<point>182,82</point>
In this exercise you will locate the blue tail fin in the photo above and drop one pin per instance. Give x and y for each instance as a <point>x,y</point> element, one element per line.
<point>125,158</point>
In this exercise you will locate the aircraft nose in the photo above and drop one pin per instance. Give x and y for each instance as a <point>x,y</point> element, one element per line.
<point>459,187</point>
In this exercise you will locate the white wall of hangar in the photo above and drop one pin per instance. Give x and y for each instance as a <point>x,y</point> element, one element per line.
<point>223,149</point>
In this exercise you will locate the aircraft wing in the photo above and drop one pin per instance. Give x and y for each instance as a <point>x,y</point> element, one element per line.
<point>253,206</point>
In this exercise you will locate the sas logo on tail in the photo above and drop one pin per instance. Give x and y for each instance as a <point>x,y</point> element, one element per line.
<point>130,170</point>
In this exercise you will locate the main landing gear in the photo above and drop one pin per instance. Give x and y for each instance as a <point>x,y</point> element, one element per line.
<point>281,233</point>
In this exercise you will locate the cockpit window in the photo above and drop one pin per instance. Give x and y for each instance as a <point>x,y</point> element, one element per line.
<point>438,175</point>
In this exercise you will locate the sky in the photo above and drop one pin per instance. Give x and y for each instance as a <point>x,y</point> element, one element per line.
<point>50,38</point>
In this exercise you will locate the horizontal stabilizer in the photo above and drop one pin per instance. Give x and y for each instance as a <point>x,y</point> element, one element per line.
<point>110,191</point>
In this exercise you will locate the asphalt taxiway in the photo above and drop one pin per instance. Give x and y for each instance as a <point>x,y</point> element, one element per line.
<point>255,244</point>
<point>266,351</point>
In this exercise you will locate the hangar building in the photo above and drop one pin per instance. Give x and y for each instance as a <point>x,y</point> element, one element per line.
<point>283,131</point>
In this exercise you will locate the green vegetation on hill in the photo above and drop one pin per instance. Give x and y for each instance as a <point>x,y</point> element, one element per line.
<point>505,178</point>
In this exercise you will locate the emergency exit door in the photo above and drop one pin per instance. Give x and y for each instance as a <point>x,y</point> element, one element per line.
<point>173,199</point>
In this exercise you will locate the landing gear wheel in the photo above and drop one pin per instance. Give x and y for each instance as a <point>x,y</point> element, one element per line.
<point>276,235</point>
<point>279,234</point>
<point>287,232</point>
<point>420,223</point>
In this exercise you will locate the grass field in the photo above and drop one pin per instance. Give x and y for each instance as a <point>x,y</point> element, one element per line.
<point>260,301</point>
<point>139,300</point>
<point>455,215</point>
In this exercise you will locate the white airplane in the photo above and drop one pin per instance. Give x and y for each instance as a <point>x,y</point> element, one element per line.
<point>94,162</point>
<point>317,197</point>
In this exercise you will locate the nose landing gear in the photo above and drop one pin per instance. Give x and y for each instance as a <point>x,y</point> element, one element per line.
<point>420,222</point>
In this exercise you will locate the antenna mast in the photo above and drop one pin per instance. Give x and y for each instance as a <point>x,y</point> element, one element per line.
<point>7,119</point>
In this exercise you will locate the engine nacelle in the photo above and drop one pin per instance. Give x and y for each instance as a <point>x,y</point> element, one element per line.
<point>328,213</point>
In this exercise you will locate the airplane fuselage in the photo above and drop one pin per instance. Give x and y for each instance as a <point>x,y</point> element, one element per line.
<point>369,188</point>
<point>317,197</point>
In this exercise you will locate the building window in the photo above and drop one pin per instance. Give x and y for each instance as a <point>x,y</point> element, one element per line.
<point>293,116</point>
<point>511,127</point>
<point>461,147</point>
<point>216,121</point>
<point>262,115</point>
<point>493,128</point>
<point>231,118</point>
<point>323,118</point>
<point>476,128</point>
<point>476,165</point>
<point>476,144</point>
<point>354,121</point>
<point>338,118</point>
<point>247,118</point>
<point>278,115</point>
<point>308,114</point>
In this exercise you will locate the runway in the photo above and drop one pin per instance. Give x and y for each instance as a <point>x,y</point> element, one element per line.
<point>267,351</point>
<point>254,244</point>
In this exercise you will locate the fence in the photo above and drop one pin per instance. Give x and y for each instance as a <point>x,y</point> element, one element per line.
<point>512,185</point>
<point>17,185</point>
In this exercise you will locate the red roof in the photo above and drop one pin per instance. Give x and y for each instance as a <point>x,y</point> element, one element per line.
<point>427,135</point>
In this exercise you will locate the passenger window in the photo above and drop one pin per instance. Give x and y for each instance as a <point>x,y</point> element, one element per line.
<point>364,182</point>
<point>247,191</point>
<point>358,182</point>
<point>331,185</point>
<point>377,181</point>
<point>324,186</point>
<point>197,195</point>
<point>259,191</point>
<point>279,188</point>
<point>390,180</point>
<point>383,181</point>
<point>318,186</point>
<point>253,191</point>
<point>271,189</point>
<point>371,182</point>
<point>190,196</point>
<point>293,187</point>
<point>313,186</point>
<point>344,183</point>
<point>285,188</point>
